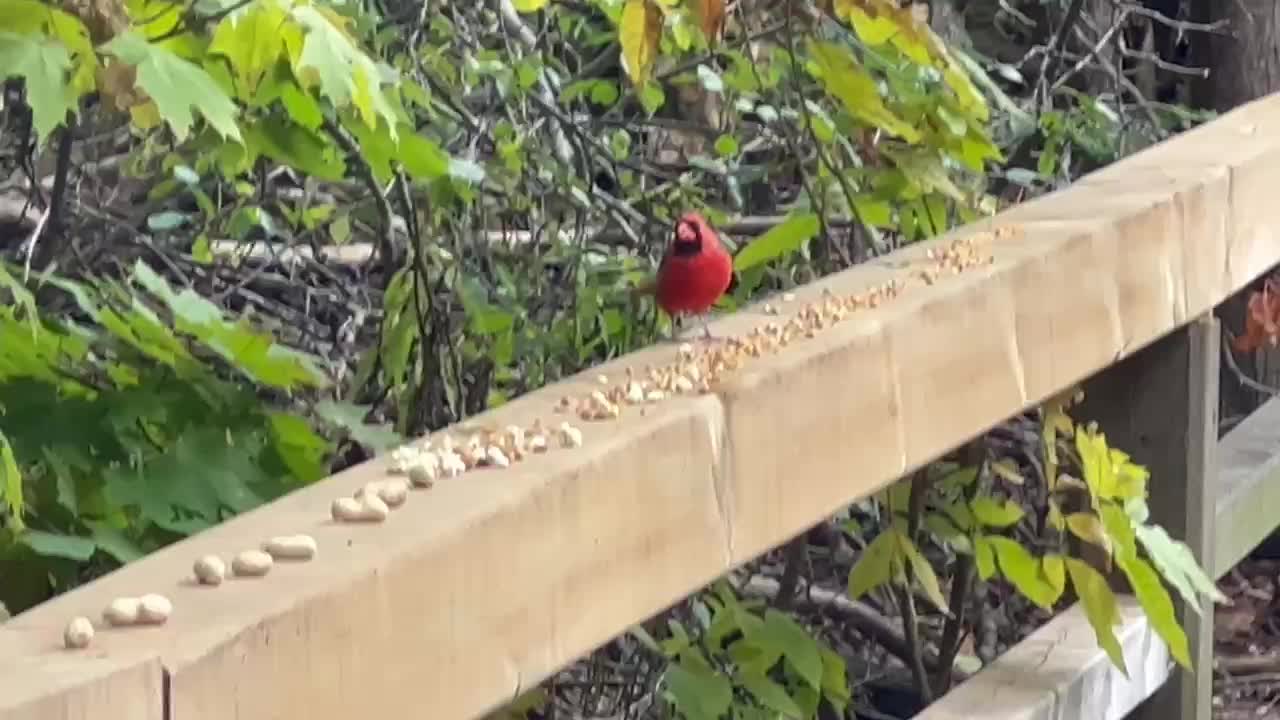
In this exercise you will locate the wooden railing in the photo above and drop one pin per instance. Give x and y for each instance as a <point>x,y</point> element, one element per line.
<point>486,584</point>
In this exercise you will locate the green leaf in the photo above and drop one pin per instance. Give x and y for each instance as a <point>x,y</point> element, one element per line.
<point>57,545</point>
<point>11,484</point>
<point>299,448</point>
<point>984,556</point>
<point>995,514</point>
<point>255,354</point>
<point>176,85</point>
<point>874,567</point>
<point>796,644</point>
<point>1178,565</point>
<point>1099,607</point>
<point>344,72</point>
<point>43,65</point>
<point>697,693</point>
<point>1088,527</point>
<point>252,40</point>
<point>1157,603</point>
<point>528,6</point>
<point>297,147</point>
<point>835,680</point>
<point>921,570</point>
<point>1023,570</point>
<point>784,238</point>
<point>771,695</point>
<point>350,417</point>
<point>856,89</point>
<point>422,158</point>
<point>114,542</point>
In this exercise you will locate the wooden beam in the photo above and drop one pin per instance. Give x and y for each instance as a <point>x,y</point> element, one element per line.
<point>1247,486</point>
<point>1060,672</point>
<point>1160,405</point>
<point>483,586</point>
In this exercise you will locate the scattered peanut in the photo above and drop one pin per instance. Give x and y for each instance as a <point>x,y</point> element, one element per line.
<point>252,563</point>
<point>391,492</point>
<point>494,457</point>
<point>79,633</point>
<point>210,570</point>
<point>122,611</point>
<point>570,436</point>
<point>538,443</point>
<point>696,369</point>
<point>423,474</point>
<point>290,547</point>
<point>154,609</point>
<point>451,464</point>
<point>369,508</point>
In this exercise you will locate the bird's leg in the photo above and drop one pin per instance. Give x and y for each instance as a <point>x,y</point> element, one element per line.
<point>706,326</point>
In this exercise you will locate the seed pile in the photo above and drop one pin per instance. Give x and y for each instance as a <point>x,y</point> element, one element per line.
<point>695,370</point>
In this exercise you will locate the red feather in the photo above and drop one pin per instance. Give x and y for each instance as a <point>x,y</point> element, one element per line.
<point>696,269</point>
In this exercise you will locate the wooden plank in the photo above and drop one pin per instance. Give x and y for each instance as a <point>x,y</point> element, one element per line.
<point>483,586</point>
<point>1160,405</point>
<point>1059,672</point>
<point>1247,486</point>
<point>60,687</point>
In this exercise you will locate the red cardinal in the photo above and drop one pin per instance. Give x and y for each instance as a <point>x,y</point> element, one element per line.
<point>695,271</point>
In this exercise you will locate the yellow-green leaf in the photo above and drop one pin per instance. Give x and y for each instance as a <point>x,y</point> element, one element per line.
<point>1023,570</point>
<point>984,557</point>
<point>528,6</point>
<point>856,89</point>
<point>780,240</point>
<point>1156,602</point>
<point>1055,571</point>
<point>874,567</point>
<point>995,514</point>
<point>1100,608</point>
<point>922,570</point>
<point>11,485</point>
<point>638,34</point>
<point>1007,469</point>
<point>1087,527</point>
<point>252,42</point>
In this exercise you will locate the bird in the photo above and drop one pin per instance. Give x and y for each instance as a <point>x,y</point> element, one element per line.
<point>695,270</point>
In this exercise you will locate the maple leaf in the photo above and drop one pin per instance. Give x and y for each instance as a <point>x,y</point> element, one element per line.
<point>43,65</point>
<point>176,86</point>
<point>344,72</point>
<point>253,41</point>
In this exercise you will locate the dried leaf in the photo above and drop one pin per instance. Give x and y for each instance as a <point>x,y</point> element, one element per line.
<point>710,17</point>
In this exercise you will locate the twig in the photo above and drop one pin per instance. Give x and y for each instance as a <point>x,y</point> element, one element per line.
<point>906,598</point>
<point>1235,369</point>
<point>53,217</point>
<point>861,616</point>
<point>385,245</point>
<point>546,88</point>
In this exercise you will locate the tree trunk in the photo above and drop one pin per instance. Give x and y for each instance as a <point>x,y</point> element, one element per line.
<point>1244,61</point>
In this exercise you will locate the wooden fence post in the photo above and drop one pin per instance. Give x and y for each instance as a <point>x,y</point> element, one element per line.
<point>1161,406</point>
